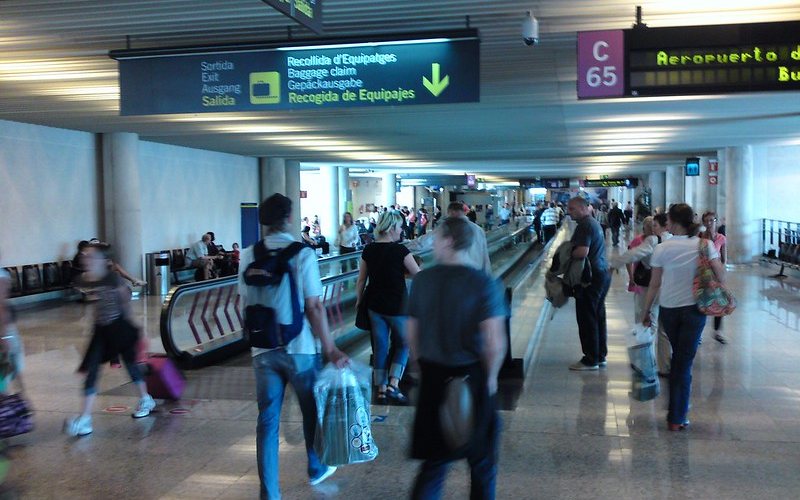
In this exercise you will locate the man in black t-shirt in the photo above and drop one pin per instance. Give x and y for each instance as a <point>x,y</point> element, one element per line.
<point>588,242</point>
<point>615,219</point>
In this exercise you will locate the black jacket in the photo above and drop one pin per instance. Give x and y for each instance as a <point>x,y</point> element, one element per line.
<point>615,217</point>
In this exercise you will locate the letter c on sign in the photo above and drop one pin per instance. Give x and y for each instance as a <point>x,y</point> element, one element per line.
<point>596,50</point>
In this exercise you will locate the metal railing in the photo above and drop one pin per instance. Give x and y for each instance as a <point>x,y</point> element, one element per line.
<point>780,244</point>
<point>202,322</point>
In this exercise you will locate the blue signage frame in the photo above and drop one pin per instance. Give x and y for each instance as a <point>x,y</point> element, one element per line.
<point>426,69</point>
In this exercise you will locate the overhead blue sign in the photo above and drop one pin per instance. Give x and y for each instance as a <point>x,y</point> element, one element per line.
<point>437,71</point>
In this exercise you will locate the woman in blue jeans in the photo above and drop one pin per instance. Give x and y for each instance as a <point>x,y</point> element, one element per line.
<point>674,263</point>
<point>383,268</point>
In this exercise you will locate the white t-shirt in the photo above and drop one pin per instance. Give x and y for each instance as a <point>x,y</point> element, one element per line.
<point>678,257</point>
<point>198,250</point>
<point>306,273</point>
<point>348,236</point>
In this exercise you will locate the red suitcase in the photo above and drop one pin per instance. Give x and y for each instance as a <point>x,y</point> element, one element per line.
<point>163,379</point>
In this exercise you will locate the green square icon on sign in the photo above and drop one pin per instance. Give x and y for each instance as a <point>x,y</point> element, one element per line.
<point>265,87</point>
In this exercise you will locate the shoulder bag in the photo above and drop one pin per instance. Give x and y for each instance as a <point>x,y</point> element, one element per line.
<point>712,298</point>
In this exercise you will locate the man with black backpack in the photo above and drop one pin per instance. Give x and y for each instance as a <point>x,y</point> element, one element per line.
<point>285,324</point>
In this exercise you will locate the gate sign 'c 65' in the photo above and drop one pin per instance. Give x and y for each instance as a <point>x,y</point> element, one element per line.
<point>601,64</point>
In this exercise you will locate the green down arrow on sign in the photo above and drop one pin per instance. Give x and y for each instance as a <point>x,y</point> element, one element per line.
<point>436,86</point>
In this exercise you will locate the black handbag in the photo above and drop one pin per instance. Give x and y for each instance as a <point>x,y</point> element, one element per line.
<point>642,274</point>
<point>362,316</point>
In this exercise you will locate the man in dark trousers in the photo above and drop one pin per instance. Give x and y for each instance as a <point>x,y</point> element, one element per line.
<point>615,219</point>
<point>590,307</point>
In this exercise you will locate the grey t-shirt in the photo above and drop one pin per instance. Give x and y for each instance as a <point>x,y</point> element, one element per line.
<point>588,233</point>
<point>449,303</point>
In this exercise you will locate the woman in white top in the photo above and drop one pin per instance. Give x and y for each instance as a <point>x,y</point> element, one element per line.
<point>348,239</point>
<point>674,264</point>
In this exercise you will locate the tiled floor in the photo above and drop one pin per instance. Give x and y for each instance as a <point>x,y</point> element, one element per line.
<point>571,435</point>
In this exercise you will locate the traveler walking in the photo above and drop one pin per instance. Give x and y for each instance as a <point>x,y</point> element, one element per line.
<point>639,252</point>
<point>348,239</point>
<point>505,215</point>
<point>11,345</point>
<point>456,337</point>
<point>384,264</point>
<point>537,222</point>
<point>114,335</point>
<point>615,220</point>
<point>721,244</point>
<point>549,222</point>
<point>628,214</point>
<point>674,265</point>
<point>299,361</point>
<point>602,217</point>
<point>590,307</point>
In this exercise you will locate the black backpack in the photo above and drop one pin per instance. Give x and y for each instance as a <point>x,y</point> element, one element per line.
<point>269,267</point>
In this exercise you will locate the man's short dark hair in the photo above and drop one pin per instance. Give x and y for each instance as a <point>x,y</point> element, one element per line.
<point>458,230</point>
<point>661,219</point>
<point>274,211</point>
<point>580,201</point>
<point>455,207</point>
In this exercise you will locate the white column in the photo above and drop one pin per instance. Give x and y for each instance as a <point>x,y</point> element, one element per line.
<point>344,189</point>
<point>674,186</point>
<point>123,200</point>
<point>389,185</point>
<point>742,226</point>
<point>657,184</point>
<point>722,188</point>
<point>292,170</point>
<point>329,177</point>
<point>273,176</point>
<point>702,202</point>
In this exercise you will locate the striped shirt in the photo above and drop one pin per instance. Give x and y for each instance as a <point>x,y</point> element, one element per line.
<point>550,217</point>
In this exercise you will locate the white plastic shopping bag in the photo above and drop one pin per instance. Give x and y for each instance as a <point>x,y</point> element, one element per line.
<point>642,355</point>
<point>344,432</point>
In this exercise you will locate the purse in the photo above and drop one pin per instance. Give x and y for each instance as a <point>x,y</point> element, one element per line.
<point>16,416</point>
<point>362,316</point>
<point>642,274</point>
<point>712,298</point>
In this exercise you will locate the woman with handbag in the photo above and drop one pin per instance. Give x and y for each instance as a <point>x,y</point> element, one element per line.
<point>383,267</point>
<point>460,343</point>
<point>675,265</point>
<point>721,244</point>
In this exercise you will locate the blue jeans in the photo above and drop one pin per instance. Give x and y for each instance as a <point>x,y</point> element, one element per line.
<point>683,325</point>
<point>273,370</point>
<point>385,329</point>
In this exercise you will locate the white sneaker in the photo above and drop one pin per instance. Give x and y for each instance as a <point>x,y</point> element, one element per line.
<point>325,475</point>
<point>146,405</point>
<point>78,426</point>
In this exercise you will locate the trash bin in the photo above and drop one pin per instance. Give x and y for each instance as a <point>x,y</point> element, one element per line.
<point>158,281</point>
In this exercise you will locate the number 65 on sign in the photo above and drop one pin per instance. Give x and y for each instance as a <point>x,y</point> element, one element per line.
<point>601,64</point>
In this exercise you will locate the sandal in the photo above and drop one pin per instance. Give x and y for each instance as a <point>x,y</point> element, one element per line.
<point>395,395</point>
<point>380,398</point>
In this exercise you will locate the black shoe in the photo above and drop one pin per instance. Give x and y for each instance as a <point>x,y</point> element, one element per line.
<point>380,398</point>
<point>394,394</point>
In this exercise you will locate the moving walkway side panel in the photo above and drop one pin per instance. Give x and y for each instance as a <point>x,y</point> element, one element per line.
<point>201,323</point>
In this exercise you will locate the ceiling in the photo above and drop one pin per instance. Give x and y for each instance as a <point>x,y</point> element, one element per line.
<point>55,70</point>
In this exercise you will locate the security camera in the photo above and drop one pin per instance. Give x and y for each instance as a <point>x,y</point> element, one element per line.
<point>530,30</point>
